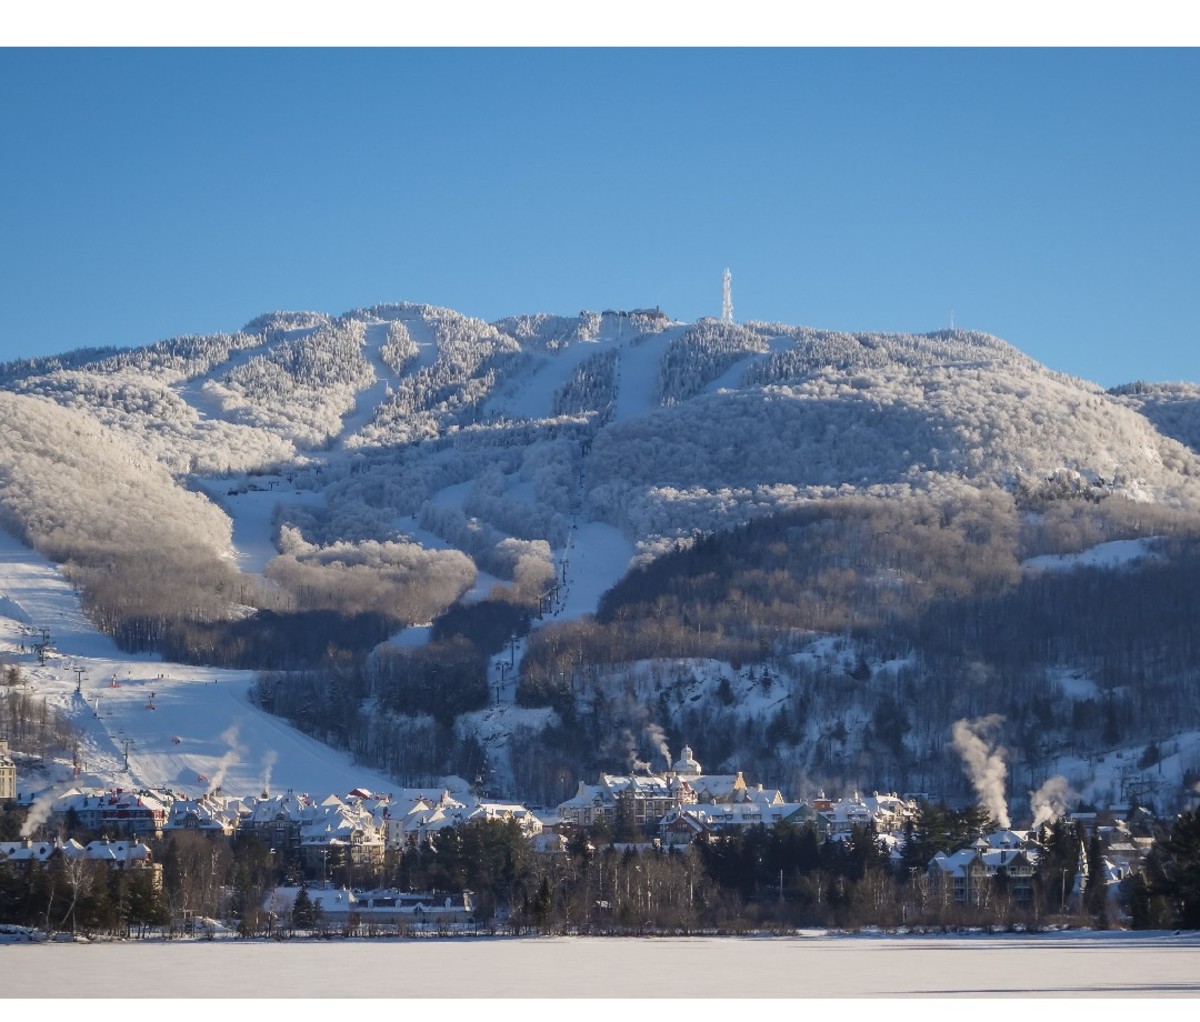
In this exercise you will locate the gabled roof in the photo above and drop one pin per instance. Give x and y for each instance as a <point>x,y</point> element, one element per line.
<point>717,786</point>
<point>1007,838</point>
<point>645,785</point>
<point>27,851</point>
<point>117,851</point>
<point>587,795</point>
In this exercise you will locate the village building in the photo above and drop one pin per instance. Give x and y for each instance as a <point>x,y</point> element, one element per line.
<point>530,825</point>
<point>276,821</point>
<point>116,855</point>
<point>115,813</point>
<point>405,909</point>
<point>209,815</point>
<point>418,815</point>
<point>8,774</point>
<point>884,814</point>
<point>1004,860</point>
<point>645,799</point>
<point>337,832</point>
<point>686,823</point>
<point>24,853</point>
<point>125,855</point>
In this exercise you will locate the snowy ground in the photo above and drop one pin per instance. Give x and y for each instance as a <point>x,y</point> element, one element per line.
<point>1119,553</point>
<point>220,735</point>
<point>815,966</point>
<point>596,559</point>
<point>251,508</point>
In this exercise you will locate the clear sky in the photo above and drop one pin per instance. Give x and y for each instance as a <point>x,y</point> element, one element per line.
<point>1047,196</point>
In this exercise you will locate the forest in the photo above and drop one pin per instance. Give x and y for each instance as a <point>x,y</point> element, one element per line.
<point>923,609</point>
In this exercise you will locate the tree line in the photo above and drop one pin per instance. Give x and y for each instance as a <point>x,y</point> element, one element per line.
<point>777,878</point>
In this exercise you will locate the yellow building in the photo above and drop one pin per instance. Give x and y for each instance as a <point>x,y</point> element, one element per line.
<point>8,774</point>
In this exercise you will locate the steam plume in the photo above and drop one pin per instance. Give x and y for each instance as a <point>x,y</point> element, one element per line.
<point>983,762</point>
<point>635,765</point>
<point>658,739</point>
<point>1051,800</point>
<point>229,736</point>
<point>39,813</point>
<point>268,763</point>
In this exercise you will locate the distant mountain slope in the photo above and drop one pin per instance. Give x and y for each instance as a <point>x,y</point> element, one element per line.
<point>1174,408</point>
<point>69,482</point>
<point>488,435</point>
<point>383,466</point>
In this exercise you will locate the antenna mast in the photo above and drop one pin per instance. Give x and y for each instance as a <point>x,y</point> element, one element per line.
<point>727,298</point>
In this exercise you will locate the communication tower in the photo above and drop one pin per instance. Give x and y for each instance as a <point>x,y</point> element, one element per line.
<point>727,298</point>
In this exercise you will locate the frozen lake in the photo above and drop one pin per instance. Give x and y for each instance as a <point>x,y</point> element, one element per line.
<point>817,966</point>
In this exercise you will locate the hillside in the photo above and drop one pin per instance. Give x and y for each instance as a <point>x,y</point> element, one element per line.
<point>203,730</point>
<point>313,487</point>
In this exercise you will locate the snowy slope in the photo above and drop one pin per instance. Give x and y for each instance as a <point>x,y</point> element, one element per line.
<point>222,736</point>
<point>251,507</point>
<point>532,397</point>
<point>1116,554</point>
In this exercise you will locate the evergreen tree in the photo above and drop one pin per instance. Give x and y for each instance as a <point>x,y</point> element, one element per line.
<point>1173,872</point>
<point>302,910</point>
<point>1059,864</point>
<point>1095,895</point>
<point>543,904</point>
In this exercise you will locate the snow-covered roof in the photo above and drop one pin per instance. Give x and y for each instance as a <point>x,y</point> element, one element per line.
<point>529,823</point>
<point>586,795</point>
<point>719,787</point>
<point>643,785</point>
<point>79,799</point>
<point>207,813</point>
<point>1007,839</point>
<point>721,816</point>
<point>989,859</point>
<point>117,851</point>
<point>27,851</point>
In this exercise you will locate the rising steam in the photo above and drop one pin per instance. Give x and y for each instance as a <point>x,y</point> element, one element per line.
<point>39,812</point>
<point>658,738</point>
<point>268,763</point>
<point>1051,801</point>
<point>636,765</point>
<point>229,736</point>
<point>983,762</point>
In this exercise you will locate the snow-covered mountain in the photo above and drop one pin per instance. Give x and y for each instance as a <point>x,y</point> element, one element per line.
<point>395,459</point>
<point>659,429</point>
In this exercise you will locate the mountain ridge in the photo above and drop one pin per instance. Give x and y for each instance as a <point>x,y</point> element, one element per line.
<point>349,479</point>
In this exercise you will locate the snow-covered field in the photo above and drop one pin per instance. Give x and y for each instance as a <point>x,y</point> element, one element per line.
<point>142,704</point>
<point>814,966</point>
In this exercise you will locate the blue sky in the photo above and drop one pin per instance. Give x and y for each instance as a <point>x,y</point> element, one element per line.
<point>1046,196</point>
